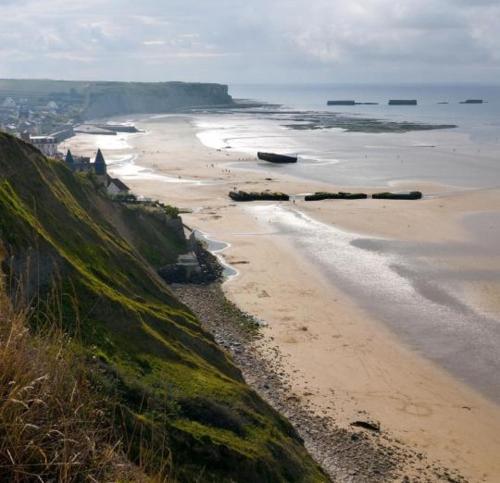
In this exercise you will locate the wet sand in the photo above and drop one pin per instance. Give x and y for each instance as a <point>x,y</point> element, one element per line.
<point>341,354</point>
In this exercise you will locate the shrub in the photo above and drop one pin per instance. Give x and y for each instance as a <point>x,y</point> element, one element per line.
<point>171,211</point>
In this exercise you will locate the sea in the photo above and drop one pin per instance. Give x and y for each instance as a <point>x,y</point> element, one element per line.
<point>425,292</point>
<point>463,156</point>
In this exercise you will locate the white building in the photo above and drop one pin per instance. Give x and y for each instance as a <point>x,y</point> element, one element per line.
<point>46,144</point>
<point>9,103</point>
<point>52,106</point>
<point>117,187</point>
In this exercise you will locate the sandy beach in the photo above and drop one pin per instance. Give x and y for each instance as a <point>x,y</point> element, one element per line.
<point>342,358</point>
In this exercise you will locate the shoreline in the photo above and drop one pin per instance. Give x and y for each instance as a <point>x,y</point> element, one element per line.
<point>400,387</point>
<point>346,454</point>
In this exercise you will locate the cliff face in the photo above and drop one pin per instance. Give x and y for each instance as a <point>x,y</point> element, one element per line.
<point>182,402</point>
<point>107,99</point>
<point>102,99</point>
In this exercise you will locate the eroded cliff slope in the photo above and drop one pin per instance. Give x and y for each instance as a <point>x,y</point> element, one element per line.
<point>74,251</point>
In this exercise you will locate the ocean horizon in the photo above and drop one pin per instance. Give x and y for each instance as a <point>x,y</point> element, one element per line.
<point>464,156</point>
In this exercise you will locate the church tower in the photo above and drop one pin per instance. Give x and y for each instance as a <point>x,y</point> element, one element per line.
<point>70,161</point>
<point>100,164</point>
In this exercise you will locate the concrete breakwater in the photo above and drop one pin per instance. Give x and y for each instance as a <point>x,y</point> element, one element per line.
<point>255,196</point>
<point>319,196</point>
<point>243,196</point>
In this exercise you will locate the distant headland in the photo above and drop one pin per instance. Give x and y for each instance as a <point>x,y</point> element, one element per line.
<point>43,107</point>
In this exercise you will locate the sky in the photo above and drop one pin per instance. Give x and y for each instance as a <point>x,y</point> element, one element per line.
<point>252,41</point>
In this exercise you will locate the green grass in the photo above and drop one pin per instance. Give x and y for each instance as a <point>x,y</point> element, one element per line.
<point>169,376</point>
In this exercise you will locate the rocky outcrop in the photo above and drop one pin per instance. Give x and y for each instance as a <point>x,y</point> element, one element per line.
<point>198,267</point>
<point>258,196</point>
<point>412,195</point>
<point>318,196</point>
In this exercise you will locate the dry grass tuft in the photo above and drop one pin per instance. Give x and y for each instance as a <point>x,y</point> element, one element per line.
<point>52,427</point>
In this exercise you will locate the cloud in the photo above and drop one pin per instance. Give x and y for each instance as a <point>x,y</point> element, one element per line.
<point>154,42</point>
<point>370,30</point>
<point>251,40</point>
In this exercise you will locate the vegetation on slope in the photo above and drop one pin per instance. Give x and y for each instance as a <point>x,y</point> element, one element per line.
<point>76,254</point>
<point>53,426</point>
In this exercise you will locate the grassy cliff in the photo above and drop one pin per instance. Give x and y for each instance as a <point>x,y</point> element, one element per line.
<point>181,405</point>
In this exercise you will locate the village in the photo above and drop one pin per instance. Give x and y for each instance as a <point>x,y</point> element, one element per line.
<point>45,122</point>
<point>28,116</point>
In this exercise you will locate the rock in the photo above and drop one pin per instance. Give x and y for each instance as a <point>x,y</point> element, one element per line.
<point>207,268</point>
<point>255,196</point>
<point>370,425</point>
<point>412,195</point>
<point>318,196</point>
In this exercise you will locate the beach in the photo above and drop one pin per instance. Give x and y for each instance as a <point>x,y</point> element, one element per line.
<point>349,348</point>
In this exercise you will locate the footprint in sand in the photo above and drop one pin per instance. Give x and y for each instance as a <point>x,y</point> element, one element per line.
<point>416,409</point>
<point>250,286</point>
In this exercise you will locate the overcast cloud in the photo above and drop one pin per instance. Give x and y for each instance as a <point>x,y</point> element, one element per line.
<point>252,40</point>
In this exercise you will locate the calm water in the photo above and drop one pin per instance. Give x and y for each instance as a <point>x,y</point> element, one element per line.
<point>485,117</point>
<point>468,156</point>
<point>420,290</point>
